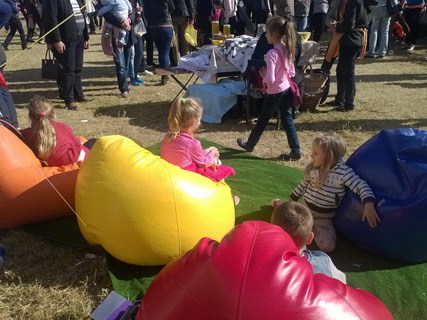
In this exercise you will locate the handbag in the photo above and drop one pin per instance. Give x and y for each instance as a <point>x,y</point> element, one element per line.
<point>296,99</point>
<point>49,66</point>
<point>190,35</point>
<point>140,28</point>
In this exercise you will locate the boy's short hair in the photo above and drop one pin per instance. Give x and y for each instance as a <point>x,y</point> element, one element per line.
<point>218,2</point>
<point>295,219</point>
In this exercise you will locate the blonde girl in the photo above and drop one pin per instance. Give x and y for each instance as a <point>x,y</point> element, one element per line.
<point>51,141</point>
<point>180,148</point>
<point>280,68</point>
<point>323,187</point>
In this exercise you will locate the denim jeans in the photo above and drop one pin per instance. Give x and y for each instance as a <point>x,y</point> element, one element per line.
<point>7,107</point>
<point>131,67</point>
<point>379,29</point>
<point>301,23</point>
<point>162,37</point>
<point>121,59</point>
<point>273,102</point>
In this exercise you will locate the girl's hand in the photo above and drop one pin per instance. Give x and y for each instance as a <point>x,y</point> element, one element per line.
<point>370,214</point>
<point>213,150</point>
<point>262,72</point>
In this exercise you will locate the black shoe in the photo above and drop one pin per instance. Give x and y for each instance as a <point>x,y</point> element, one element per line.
<point>295,114</point>
<point>344,108</point>
<point>70,106</point>
<point>289,156</point>
<point>84,99</point>
<point>334,103</point>
<point>244,145</point>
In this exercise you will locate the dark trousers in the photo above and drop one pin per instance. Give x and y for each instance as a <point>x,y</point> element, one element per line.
<point>273,102</point>
<point>412,17</point>
<point>15,25</point>
<point>70,64</point>
<point>149,50</point>
<point>318,25</point>
<point>346,85</point>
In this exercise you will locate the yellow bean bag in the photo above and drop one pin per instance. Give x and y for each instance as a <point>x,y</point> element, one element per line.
<point>144,210</point>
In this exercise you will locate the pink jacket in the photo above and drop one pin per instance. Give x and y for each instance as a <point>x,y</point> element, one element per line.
<point>274,76</point>
<point>185,151</point>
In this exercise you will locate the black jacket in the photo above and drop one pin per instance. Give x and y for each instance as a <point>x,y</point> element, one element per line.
<point>355,18</point>
<point>158,12</point>
<point>54,12</point>
<point>184,8</point>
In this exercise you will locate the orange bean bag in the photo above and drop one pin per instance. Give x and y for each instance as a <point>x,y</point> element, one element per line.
<point>26,196</point>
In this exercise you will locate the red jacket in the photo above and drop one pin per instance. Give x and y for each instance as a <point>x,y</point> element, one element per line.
<point>67,149</point>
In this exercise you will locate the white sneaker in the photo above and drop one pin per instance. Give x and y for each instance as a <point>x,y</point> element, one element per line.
<point>411,47</point>
<point>147,73</point>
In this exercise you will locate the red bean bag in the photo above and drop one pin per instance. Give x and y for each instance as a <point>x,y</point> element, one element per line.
<point>26,196</point>
<point>254,273</point>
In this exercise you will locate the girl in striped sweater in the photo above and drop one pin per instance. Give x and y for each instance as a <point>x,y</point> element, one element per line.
<point>324,185</point>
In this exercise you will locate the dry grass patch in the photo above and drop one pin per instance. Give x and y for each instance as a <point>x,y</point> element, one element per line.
<point>43,280</point>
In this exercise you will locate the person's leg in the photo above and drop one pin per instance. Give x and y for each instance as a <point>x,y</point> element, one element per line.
<point>340,96</point>
<point>232,22</point>
<point>79,54</point>
<point>162,37</point>
<point>348,56</point>
<point>270,106</point>
<point>131,65</point>
<point>289,126</point>
<point>412,18</point>
<point>11,34</point>
<point>22,35</point>
<point>373,33</point>
<point>383,32</point>
<point>66,69</point>
<point>182,43</point>
<point>317,26</point>
<point>138,56</point>
<point>324,234</point>
<point>121,68</point>
<point>149,49</point>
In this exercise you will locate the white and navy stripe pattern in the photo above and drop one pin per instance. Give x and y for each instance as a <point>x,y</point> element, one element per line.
<point>78,17</point>
<point>325,200</point>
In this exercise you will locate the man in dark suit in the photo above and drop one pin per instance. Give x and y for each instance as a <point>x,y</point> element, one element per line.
<point>67,42</point>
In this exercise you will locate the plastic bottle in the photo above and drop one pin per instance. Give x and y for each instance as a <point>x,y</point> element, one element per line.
<point>2,255</point>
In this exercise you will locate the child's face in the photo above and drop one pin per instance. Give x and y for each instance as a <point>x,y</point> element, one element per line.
<point>317,155</point>
<point>271,37</point>
<point>196,123</point>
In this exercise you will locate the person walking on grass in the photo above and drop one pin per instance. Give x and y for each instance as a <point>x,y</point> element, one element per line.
<point>15,25</point>
<point>280,61</point>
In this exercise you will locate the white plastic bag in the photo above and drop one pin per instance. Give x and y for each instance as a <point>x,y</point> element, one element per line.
<point>140,28</point>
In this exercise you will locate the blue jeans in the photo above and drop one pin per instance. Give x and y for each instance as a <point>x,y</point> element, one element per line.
<point>273,102</point>
<point>379,29</point>
<point>162,37</point>
<point>121,60</point>
<point>301,23</point>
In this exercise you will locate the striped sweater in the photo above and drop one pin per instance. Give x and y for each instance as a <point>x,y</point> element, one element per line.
<point>324,201</point>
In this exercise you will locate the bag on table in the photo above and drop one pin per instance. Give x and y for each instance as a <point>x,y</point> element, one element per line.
<point>49,66</point>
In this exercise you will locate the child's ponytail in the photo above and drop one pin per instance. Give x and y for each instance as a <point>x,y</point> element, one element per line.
<point>40,112</point>
<point>289,39</point>
<point>285,30</point>
<point>182,114</point>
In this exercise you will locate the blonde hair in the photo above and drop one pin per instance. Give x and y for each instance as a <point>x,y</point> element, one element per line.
<point>295,219</point>
<point>182,115</point>
<point>333,146</point>
<point>40,112</point>
<point>286,31</point>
